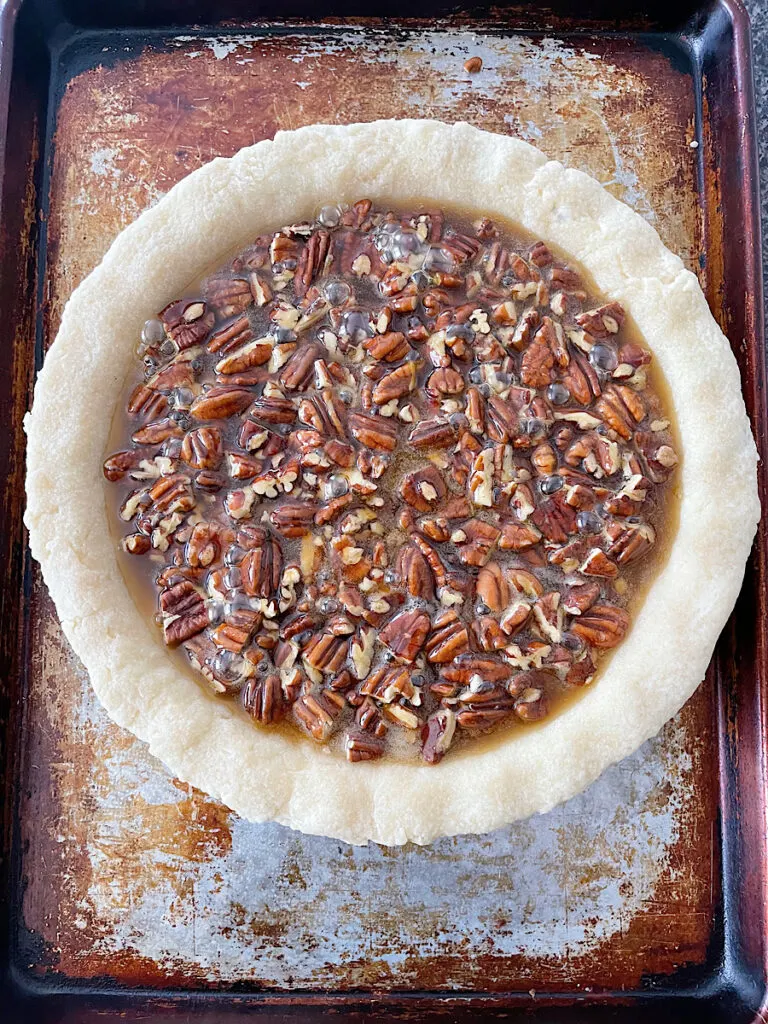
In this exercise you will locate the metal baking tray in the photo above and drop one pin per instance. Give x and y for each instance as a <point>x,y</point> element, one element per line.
<point>128,895</point>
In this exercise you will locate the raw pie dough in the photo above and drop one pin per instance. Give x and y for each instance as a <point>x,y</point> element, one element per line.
<point>265,775</point>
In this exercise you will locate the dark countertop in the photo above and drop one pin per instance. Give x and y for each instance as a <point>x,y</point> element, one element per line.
<point>758,11</point>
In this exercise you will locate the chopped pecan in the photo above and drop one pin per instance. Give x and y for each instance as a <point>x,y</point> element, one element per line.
<point>620,407</point>
<point>531,705</point>
<point>540,255</point>
<point>603,322</point>
<point>136,544</point>
<point>389,347</point>
<point>117,465</point>
<point>566,280</point>
<point>629,543</point>
<point>515,617</point>
<point>555,518</point>
<point>318,713</point>
<point>172,494</point>
<point>488,670</point>
<point>597,563</point>
<point>460,247</point>
<point>423,488</point>
<point>518,537</point>
<point>502,420</point>
<point>548,616</point>
<point>488,634</point>
<point>579,599</point>
<point>187,322</point>
<point>437,735</point>
<point>539,358</point>
<point>479,717</point>
<point>477,542</point>
<point>361,746</point>
<point>204,545</point>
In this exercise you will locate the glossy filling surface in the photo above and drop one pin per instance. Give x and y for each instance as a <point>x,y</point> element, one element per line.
<point>396,479</point>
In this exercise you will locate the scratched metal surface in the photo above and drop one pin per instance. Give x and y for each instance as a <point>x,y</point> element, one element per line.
<point>130,873</point>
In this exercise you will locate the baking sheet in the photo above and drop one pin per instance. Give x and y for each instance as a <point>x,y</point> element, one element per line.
<point>133,875</point>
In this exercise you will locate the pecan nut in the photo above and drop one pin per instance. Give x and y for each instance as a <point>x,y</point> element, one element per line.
<point>263,699</point>
<point>220,402</point>
<point>604,626</point>
<point>184,613</point>
<point>405,634</point>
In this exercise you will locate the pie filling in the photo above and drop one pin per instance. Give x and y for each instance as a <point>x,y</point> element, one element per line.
<point>392,479</point>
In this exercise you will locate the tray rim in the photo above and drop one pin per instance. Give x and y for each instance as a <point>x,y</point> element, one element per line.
<point>728,980</point>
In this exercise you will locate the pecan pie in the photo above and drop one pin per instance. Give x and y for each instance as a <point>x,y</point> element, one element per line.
<point>394,477</point>
<point>394,483</point>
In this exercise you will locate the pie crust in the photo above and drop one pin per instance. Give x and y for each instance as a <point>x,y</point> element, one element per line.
<point>267,775</point>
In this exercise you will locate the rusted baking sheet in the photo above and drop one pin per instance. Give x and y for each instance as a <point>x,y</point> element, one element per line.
<point>124,877</point>
<point>131,874</point>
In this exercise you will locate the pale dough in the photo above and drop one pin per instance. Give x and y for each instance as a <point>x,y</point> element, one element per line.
<point>203,740</point>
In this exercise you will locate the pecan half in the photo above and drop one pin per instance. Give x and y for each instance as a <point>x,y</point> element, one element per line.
<point>254,353</point>
<point>373,431</point>
<point>447,640</point>
<point>262,566</point>
<point>202,449</point>
<point>228,295</point>
<point>603,626</point>
<point>434,433</point>
<point>405,634</point>
<point>220,402</point>
<point>416,573</point>
<point>492,588</point>
<point>263,699</point>
<point>312,261</point>
<point>293,519</point>
<point>395,384</point>
<point>184,613</point>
